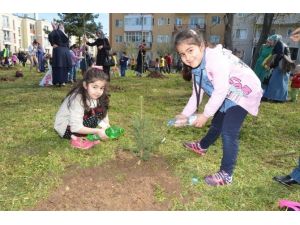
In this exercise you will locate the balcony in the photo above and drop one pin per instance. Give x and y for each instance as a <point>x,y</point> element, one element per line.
<point>138,22</point>
<point>7,41</point>
<point>148,45</point>
<point>197,27</point>
<point>5,27</point>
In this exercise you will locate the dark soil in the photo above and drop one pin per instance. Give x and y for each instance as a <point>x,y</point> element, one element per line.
<point>3,79</point>
<point>115,88</point>
<point>155,74</point>
<point>121,184</point>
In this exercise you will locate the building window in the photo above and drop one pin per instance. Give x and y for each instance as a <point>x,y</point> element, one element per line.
<point>215,39</point>
<point>119,23</point>
<point>138,36</point>
<point>6,35</point>
<point>241,34</point>
<point>31,28</point>
<point>46,41</point>
<point>162,38</point>
<point>32,38</point>
<point>196,21</point>
<point>216,20</point>
<point>5,22</point>
<point>242,14</point>
<point>289,32</point>
<point>162,21</point>
<point>135,21</point>
<point>119,38</point>
<point>178,21</point>
<point>46,28</point>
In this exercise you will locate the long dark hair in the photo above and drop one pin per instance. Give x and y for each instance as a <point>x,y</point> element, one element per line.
<point>91,75</point>
<point>190,37</point>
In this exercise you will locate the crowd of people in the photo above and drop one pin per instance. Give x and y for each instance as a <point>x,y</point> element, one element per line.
<point>234,89</point>
<point>274,67</point>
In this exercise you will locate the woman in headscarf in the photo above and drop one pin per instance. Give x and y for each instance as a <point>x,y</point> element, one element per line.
<point>277,89</point>
<point>260,69</point>
<point>61,58</point>
<point>103,48</point>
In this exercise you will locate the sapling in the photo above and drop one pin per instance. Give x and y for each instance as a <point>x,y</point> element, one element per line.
<point>147,139</point>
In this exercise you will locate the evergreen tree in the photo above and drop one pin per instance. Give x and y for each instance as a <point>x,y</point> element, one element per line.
<point>77,24</point>
<point>147,138</point>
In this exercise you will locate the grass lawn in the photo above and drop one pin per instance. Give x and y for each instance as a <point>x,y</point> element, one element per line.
<point>33,157</point>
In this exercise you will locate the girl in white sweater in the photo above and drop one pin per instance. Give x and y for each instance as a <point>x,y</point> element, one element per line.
<point>84,110</point>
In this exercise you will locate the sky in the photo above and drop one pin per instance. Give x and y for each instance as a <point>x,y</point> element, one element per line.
<point>103,18</point>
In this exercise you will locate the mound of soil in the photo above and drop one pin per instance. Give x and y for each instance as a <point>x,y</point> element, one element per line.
<point>115,88</point>
<point>155,74</point>
<point>3,79</point>
<point>121,184</point>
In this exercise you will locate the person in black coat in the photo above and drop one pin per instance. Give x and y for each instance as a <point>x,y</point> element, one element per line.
<point>61,57</point>
<point>141,59</point>
<point>103,47</point>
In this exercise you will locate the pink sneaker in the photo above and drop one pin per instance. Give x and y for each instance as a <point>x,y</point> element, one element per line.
<point>82,143</point>
<point>289,205</point>
<point>195,147</point>
<point>218,179</point>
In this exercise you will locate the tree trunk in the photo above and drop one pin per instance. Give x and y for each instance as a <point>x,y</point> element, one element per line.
<point>228,19</point>
<point>268,19</point>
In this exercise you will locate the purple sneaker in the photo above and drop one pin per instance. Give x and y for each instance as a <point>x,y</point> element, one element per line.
<point>195,147</point>
<point>218,179</point>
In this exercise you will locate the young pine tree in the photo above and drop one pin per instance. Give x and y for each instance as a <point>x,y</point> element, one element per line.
<point>147,139</point>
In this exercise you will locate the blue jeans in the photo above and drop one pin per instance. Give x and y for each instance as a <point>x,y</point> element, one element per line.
<point>296,173</point>
<point>123,71</point>
<point>227,124</point>
<point>72,73</point>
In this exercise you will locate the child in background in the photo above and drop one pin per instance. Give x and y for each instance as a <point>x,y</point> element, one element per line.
<point>72,73</point>
<point>234,90</point>
<point>123,64</point>
<point>295,85</point>
<point>156,66</point>
<point>86,62</point>
<point>115,69</point>
<point>84,110</point>
<point>162,64</point>
<point>14,59</point>
<point>47,79</point>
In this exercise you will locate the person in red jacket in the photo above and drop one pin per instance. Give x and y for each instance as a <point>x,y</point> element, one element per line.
<point>295,85</point>
<point>169,61</point>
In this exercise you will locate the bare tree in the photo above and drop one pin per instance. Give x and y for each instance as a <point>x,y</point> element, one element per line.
<point>228,20</point>
<point>268,20</point>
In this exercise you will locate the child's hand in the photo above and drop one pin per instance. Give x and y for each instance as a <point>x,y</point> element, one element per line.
<point>101,134</point>
<point>181,120</point>
<point>200,121</point>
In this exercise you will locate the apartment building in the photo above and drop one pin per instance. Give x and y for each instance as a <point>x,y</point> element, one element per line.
<point>10,31</point>
<point>128,30</point>
<point>18,32</point>
<point>243,32</point>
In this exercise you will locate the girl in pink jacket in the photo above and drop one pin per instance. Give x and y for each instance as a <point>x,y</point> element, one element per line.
<point>233,89</point>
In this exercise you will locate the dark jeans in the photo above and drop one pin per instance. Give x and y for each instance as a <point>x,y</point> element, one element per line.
<point>296,173</point>
<point>228,125</point>
<point>123,71</point>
